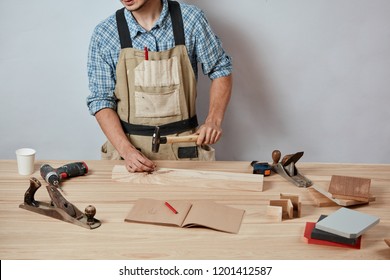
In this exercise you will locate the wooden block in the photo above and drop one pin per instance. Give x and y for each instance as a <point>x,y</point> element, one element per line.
<point>275,211</point>
<point>299,210</point>
<point>293,197</point>
<point>287,207</point>
<point>345,187</point>
<point>295,202</point>
<point>387,242</point>
<point>191,178</point>
<point>341,202</point>
<point>320,199</point>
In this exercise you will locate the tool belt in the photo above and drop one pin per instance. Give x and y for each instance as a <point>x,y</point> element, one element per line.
<point>165,129</point>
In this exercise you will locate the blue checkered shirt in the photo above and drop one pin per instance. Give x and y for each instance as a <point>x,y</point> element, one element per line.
<point>203,47</point>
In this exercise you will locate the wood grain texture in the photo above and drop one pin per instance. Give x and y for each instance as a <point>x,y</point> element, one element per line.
<point>275,212</point>
<point>287,207</point>
<point>297,205</point>
<point>199,178</point>
<point>320,199</point>
<point>341,201</point>
<point>27,235</point>
<point>347,187</point>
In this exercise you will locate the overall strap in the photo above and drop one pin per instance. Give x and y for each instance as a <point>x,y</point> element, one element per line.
<point>177,22</point>
<point>123,29</point>
<point>177,25</point>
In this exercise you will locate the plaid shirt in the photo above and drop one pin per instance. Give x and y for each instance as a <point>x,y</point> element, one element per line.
<point>202,44</point>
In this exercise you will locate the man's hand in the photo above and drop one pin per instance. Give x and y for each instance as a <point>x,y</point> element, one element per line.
<point>135,161</point>
<point>208,134</point>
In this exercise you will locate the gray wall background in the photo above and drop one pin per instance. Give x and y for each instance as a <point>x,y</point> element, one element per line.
<point>310,75</point>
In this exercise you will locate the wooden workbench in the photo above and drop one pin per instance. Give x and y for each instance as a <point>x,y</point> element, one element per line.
<point>27,235</point>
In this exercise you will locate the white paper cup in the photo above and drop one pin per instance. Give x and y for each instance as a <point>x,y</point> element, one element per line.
<point>25,158</point>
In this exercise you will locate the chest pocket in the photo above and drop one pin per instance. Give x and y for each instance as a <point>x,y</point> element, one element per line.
<point>157,85</point>
<point>157,73</point>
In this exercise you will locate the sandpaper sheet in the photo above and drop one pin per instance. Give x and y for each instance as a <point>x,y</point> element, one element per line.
<point>323,235</point>
<point>348,223</point>
<point>310,226</point>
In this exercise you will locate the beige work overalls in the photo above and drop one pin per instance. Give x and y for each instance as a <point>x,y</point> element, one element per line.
<point>157,89</point>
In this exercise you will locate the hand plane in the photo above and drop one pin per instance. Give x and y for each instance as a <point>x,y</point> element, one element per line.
<point>59,208</point>
<point>287,169</point>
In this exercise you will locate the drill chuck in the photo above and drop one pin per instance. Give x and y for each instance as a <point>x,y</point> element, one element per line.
<point>52,178</point>
<point>49,174</point>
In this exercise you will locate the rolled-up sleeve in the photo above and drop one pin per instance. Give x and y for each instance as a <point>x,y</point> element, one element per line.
<point>101,74</point>
<point>210,54</point>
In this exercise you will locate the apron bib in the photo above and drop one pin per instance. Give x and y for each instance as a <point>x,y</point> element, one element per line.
<point>157,89</point>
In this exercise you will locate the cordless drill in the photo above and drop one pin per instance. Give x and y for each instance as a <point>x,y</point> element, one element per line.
<point>55,176</point>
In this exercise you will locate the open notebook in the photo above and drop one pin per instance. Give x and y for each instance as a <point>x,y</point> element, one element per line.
<point>189,214</point>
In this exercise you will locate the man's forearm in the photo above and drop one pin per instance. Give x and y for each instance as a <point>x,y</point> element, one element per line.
<point>109,122</point>
<point>220,92</point>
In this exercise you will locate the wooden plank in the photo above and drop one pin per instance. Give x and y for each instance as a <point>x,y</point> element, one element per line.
<point>190,177</point>
<point>387,242</point>
<point>339,201</point>
<point>347,187</point>
<point>24,234</point>
<point>320,199</point>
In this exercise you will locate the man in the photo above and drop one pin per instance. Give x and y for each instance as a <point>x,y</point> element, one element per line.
<point>142,68</point>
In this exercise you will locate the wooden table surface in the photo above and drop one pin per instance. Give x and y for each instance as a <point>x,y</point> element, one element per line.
<point>27,235</point>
